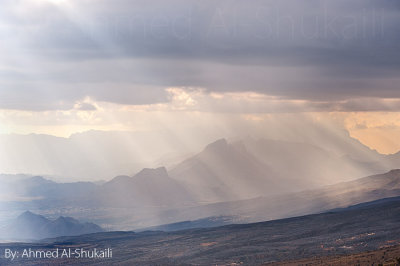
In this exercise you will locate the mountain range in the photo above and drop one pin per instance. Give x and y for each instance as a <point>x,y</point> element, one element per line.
<point>212,207</point>
<point>249,180</point>
<point>223,172</point>
<point>133,202</point>
<point>246,169</point>
<point>30,226</point>
<point>340,195</point>
<point>351,230</point>
<point>100,155</point>
<point>149,187</point>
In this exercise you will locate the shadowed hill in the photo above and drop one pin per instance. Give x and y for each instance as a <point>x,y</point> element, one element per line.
<point>30,226</point>
<point>149,187</point>
<point>333,233</point>
<point>310,201</point>
<point>223,172</point>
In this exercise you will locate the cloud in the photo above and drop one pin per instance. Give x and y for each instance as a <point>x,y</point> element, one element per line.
<point>251,102</point>
<point>329,53</point>
<point>85,107</point>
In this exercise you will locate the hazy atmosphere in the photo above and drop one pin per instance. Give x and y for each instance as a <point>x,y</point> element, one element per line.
<point>182,74</point>
<point>176,114</point>
<point>71,66</point>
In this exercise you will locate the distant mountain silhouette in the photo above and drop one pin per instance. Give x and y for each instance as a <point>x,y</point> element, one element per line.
<point>94,155</point>
<point>331,233</point>
<point>252,179</point>
<point>246,169</point>
<point>224,172</point>
<point>307,165</point>
<point>38,186</point>
<point>89,155</point>
<point>149,187</point>
<point>30,226</point>
<point>340,195</point>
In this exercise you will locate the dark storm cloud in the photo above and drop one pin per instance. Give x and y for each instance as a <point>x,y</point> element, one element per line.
<point>295,49</point>
<point>45,96</point>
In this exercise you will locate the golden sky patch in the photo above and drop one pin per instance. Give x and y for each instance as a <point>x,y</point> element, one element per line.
<point>377,130</point>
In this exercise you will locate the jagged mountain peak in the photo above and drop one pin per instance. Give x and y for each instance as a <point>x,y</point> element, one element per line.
<point>146,172</point>
<point>394,173</point>
<point>64,219</point>
<point>29,225</point>
<point>28,214</point>
<point>216,145</point>
<point>119,178</point>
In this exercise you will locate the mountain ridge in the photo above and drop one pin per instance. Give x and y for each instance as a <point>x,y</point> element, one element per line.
<point>31,226</point>
<point>329,233</point>
<point>224,178</point>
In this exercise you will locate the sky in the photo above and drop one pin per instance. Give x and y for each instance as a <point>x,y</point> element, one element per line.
<point>69,66</point>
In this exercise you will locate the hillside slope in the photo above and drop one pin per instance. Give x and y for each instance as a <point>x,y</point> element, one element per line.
<point>30,226</point>
<point>333,233</point>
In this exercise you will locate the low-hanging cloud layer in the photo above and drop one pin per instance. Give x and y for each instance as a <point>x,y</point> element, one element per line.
<point>293,55</point>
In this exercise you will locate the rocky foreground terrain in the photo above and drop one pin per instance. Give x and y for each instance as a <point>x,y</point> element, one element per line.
<point>388,256</point>
<point>361,228</point>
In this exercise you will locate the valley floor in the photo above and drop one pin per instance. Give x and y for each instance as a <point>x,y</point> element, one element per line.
<point>372,231</point>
